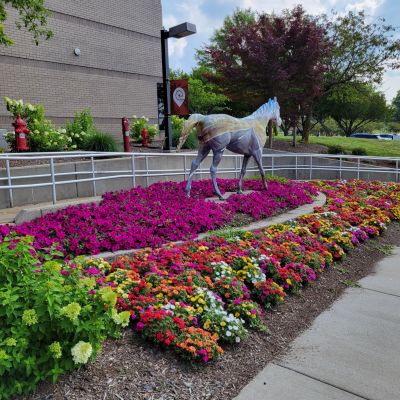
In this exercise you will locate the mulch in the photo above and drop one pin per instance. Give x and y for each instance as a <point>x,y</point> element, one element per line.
<point>131,369</point>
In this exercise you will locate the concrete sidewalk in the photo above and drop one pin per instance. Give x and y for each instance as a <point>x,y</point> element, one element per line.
<point>352,351</point>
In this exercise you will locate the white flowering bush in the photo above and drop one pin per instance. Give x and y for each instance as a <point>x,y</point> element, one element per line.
<point>138,124</point>
<point>79,129</point>
<point>79,134</point>
<point>44,136</point>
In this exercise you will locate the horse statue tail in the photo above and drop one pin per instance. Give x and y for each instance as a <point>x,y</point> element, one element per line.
<point>193,121</point>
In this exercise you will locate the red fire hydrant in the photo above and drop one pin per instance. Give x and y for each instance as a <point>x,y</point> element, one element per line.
<point>126,135</point>
<point>21,132</point>
<point>145,137</point>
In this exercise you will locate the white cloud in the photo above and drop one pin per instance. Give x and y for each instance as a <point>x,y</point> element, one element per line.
<point>312,6</point>
<point>177,47</point>
<point>368,6</point>
<point>391,84</point>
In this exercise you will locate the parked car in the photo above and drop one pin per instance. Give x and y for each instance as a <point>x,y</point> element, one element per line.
<point>375,136</point>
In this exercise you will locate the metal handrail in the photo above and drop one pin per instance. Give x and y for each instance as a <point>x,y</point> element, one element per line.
<point>302,162</point>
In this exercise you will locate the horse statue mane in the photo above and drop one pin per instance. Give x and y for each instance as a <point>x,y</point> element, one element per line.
<point>218,132</point>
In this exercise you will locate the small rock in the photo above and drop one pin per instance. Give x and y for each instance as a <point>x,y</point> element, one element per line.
<point>149,387</point>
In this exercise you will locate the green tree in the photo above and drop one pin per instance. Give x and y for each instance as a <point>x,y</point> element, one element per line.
<point>32,16</point>
<point>396,107</point>
<point>238,104</point>
<point>204,96</point>
<point>362,50</point>
<point>239,18</point>
<point>353,107</point>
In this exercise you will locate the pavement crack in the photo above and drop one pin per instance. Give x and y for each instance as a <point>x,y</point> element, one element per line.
<point>321,381</point>
<point>379,291</point>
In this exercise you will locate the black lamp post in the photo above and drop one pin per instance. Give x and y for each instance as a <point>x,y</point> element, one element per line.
<point>178,32</point>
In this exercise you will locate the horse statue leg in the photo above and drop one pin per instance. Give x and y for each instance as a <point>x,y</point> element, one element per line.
<point>217,156</point>
<point>243,173</point>
<point>201,155</point>
<point>258,157</point>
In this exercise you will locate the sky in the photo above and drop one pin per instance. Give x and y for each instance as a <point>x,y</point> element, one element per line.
<point>208,15</point>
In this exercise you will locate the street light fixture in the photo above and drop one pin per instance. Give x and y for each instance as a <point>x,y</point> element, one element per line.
<point>178,32</point>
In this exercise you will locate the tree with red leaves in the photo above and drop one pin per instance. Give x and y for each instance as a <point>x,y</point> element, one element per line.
<point>283,56</point>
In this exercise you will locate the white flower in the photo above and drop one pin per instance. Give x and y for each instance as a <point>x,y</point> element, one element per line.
<point>228,333</point>
<point>81,352</point>
<point>237,340</point>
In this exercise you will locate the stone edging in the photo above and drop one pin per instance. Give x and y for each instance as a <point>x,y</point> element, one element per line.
<point>297,212</point>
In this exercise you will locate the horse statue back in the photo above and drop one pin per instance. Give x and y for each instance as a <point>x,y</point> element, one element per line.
<point>218,132</point>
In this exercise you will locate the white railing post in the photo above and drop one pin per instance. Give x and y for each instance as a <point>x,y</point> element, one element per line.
<point>94,177</point>
<point>10,191</point>
<point>147,170</point>
<point>53,180</point>
<point>272,165</point>
<point>184,166</point>
<point>311,167</point>
<point>358,168</point>
<point>133,170</point>
<point>397,171</point>
<point>340,167</point>
<point>297,166</point>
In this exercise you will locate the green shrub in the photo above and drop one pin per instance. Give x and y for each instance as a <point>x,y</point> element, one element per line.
<point>136,129</point>
<point>99,141</point>
<point>81,126</point>
<point>336,149</point>
<point>192,141</point>
<point>49,323</point>
<point>359,151</point>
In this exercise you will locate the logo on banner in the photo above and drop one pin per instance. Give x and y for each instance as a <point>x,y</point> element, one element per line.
<point>179,96</point>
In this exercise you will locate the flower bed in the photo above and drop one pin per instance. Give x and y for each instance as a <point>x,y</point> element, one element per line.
<point>156,215</point>
<point>193,298</point>
<point>197,296</point>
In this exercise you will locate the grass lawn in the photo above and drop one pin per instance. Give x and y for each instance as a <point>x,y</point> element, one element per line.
<point>384,148</point>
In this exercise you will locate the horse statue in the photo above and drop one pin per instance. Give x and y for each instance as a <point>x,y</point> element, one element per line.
<point>218,132</point>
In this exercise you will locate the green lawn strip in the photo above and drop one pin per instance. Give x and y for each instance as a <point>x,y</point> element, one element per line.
<point>382,148</point>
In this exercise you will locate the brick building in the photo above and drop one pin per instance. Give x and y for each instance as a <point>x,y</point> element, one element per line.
<point>116,73</point>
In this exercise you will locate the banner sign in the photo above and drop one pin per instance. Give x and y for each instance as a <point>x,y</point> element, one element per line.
<point>179,97</point>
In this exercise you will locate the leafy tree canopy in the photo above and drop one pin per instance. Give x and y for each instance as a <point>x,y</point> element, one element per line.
<point>352,107</point>
<point>32,17</point>
<point>396,107</point>
<point>361,51</point>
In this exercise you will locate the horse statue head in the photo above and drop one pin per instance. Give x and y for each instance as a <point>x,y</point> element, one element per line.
<point>276,112</point>
<point>269,111</point>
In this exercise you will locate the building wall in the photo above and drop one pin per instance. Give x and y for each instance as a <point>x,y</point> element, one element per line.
<point>116,74</point>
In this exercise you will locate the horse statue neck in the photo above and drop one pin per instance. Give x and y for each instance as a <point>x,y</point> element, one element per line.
<point>262,114</point>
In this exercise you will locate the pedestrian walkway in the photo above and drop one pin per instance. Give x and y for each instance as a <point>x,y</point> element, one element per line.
<point>351,352</point>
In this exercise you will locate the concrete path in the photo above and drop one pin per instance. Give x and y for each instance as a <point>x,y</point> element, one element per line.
<point>19,215</point>
<point>351,351</point>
